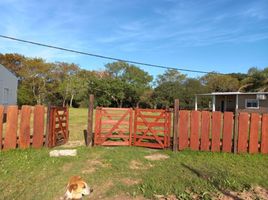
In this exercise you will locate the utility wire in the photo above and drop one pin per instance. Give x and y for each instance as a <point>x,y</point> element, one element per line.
<point>103,57</point>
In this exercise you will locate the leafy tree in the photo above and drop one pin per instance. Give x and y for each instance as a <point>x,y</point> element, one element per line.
<point>169,87</point>
<point>220,83</point>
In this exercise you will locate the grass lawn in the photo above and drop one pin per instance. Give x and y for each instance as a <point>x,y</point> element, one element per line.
<point>124,173</point>
<point>77,123</point>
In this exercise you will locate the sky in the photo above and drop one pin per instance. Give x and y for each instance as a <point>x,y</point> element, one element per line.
<point>210,35</point>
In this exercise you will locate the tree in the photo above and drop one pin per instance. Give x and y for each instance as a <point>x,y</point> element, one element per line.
<point>169,87</point>
<point>220,83</point>
<point>132,82</point>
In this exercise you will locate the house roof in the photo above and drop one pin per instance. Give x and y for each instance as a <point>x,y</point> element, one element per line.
<point>8,70</point>
<point>230,93</point>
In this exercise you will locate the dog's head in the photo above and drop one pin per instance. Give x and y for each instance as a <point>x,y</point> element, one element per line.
<point>77,188</point>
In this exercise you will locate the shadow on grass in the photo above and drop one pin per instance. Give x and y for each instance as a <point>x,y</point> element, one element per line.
<point>207,178</point>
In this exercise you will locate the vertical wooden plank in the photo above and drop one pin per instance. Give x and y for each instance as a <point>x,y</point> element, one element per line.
<point>205,131</point>
<point>130,111</point>
<point>227,135</point>
<point>1,124</point>
<point>264,136</point>
<point>47,126</point>
<point>97,125</point>
<point>216,131</point>
<point>242,133</point>
<point>254,132</point>
<point>90,120</point>
<point>183,129</point>
<point>39,126</point>
<point>194,133</point>
<point>24,134</point>
<point>175,124</point>
<point>10,141</point>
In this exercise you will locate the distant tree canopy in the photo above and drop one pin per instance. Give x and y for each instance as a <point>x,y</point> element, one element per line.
<point>120,84</point>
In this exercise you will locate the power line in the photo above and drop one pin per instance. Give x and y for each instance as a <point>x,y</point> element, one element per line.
<point>102,56</point>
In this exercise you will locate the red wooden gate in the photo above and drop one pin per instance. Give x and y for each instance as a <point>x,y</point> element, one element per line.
<point>152,128</point>
<point>58,132</point>
<point>113,126</point>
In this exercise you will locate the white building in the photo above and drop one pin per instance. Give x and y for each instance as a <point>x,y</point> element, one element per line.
<point>8,87</point>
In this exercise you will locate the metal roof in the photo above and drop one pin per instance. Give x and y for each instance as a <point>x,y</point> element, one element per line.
<point>230,93</point>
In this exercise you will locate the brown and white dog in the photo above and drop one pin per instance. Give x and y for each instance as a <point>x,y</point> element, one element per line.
<point>76,189</point>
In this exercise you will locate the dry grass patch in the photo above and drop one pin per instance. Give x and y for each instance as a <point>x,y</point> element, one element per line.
<point>252,194</point>
<point>134,164</point>
<point>156,156</point>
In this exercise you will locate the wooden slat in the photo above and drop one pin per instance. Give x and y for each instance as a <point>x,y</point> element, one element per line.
<point>1,124</point>
<point>152,124</point>
<point>11,128</point>
<point>24,134</point>
<point>194,134</point>
<point>227,132</point>
<point>254,132</point>
<point>39,126</point>
<point>264,137</point>
<point>242,132</point>
<point>205,130</point>
<point>183,129</point>
<point>216,131</point>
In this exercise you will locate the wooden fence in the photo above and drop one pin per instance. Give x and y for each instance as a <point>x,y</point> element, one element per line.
<point>195,130</point>
<point>26,127</point>
<point>222,132</point>
<point>18,131</point>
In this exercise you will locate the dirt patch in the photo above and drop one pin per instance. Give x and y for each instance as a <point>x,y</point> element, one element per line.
<point>100,190</point>
<point>66,167</point>
<point>156,156</point>
<point>73,143</point>
<point>128,181</point>
<point>92,165</point>
<point>134,164</point>
<point>162,197</point>
<point>252,194</point>
<point>124,197</point>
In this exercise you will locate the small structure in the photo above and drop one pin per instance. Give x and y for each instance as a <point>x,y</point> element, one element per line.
<point>8,87</point>
<point>237,101</point>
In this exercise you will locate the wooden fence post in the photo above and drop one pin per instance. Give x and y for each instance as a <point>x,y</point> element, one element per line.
<point>90,121</point>
<point>236,131</point>
<point>176,124</point>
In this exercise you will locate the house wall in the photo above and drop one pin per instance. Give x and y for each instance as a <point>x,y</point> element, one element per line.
<point>263,104</point>
<point>8,87</point>
<point>230,103</point>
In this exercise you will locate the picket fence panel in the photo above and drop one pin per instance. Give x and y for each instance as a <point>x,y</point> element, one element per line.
<point>18,127</point>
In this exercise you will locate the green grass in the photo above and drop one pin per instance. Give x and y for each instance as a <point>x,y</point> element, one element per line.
<point>77,123</point>
<point>32,174</point>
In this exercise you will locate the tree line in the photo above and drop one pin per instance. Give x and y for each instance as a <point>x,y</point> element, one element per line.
<point>120,84</point>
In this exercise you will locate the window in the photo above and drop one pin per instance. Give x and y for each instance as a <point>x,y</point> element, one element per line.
<point>6,94</point>
<point>252,103</point>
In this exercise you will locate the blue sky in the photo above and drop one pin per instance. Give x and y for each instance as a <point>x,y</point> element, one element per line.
<point>210,35</point>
